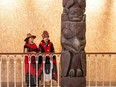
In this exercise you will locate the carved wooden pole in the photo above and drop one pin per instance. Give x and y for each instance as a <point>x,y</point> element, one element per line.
<point>73,56</point>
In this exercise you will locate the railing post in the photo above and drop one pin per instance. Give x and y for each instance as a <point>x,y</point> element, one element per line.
<point>89,69</point>
<point>103,68</point>
<point>44,69</point>
<point>110,70</point>
<point>14,70</point>
<point>37,71</point>
<point>58,70</point>
<point>22,65</point>
<point>51,59</point>
<point>29,61</point>
<point>0,71</point>
<point>7,70</point>
<point>96,67</point>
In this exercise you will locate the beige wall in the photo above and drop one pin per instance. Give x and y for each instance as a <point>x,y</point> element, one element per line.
<point>101,32</point>
<point>19,17</point>
<point>28,16</point>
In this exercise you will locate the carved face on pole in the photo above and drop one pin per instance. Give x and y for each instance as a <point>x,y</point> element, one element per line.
<point>75,14</point>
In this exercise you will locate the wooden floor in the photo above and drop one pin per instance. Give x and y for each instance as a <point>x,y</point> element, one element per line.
<point>19,85</point>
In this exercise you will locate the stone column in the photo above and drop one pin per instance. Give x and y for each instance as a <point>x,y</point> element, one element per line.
<point>73,41</point>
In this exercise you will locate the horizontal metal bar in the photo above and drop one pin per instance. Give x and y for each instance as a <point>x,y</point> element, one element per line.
<point>54,53</point>
<point>27,53</point>
<point>101,53</point>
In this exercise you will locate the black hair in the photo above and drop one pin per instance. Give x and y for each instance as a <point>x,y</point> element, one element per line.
<point>27,41</point>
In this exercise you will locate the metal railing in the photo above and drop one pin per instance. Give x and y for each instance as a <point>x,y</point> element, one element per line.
<point>12,59</point>
<point>100,69</point>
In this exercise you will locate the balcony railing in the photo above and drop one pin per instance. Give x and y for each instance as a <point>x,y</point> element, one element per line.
<point>12,69</point>
<point>101,69</point>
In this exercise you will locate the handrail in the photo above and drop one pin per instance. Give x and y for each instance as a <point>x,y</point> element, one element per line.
<point>27,53</point>
<point>101,53</point>
<point>55,53</point>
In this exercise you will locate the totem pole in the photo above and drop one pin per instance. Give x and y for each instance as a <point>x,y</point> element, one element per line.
<point>73,41</point>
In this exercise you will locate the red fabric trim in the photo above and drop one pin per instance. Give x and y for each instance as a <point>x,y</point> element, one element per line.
<point>32,69</point>
<point>54,61</point>
<point>40,70</point>
<point>55,76</point>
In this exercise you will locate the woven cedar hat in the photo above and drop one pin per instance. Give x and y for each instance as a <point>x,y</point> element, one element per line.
<point>29,36</point>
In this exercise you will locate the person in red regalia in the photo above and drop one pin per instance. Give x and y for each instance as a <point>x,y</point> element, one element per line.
<point>30,47</point>
<point>46,46</point>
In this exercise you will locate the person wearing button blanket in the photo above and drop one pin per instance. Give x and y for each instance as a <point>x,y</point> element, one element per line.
<point>46,46</point>
<point>30,47</point>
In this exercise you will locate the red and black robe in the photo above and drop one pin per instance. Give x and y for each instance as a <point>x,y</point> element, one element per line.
<point>30,48</point>
<point>47,48</point>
